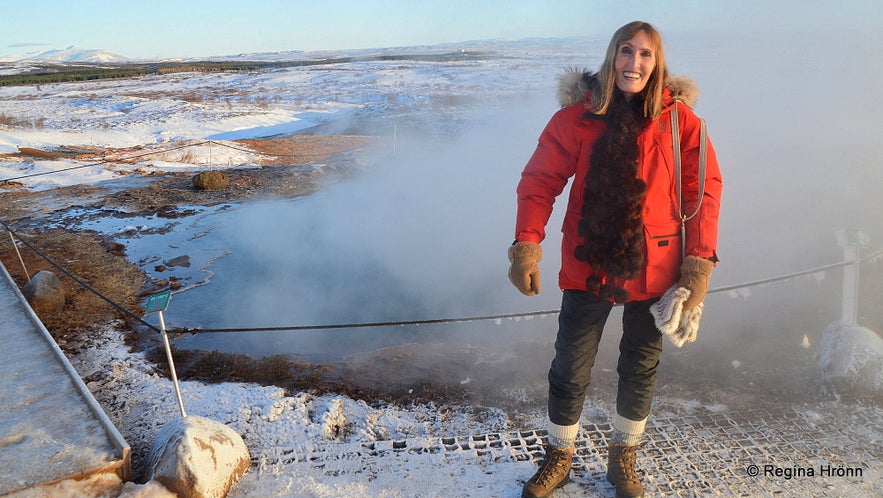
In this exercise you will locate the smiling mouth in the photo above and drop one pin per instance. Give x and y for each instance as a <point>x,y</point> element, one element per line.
<point>629,75</point>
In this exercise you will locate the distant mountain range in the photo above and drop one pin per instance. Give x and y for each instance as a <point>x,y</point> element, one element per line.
<point>69,54</point>
<point>74,54</point>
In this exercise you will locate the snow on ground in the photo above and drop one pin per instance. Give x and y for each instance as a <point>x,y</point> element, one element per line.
<point>304,445</point>
<point>279,427</point>
<point>163,111</point>
<point>44,174</point>
<point>185,106</point>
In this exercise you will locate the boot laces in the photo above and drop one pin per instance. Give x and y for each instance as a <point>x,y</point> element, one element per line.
<point>555,464</point>
<point>626,465</point>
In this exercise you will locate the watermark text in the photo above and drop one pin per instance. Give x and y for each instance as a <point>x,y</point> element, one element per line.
<point>824,471</point>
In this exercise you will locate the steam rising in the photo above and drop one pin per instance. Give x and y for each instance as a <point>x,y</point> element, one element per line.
<point>423,234</point>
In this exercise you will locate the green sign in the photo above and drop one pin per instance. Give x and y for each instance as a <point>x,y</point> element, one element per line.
<point>158,302</point>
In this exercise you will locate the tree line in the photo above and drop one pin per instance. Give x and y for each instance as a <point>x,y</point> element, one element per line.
<point>64,73</point>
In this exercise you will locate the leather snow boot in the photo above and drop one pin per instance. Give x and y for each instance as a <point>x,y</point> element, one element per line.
<point>621,471</point>
<point>554,472</point>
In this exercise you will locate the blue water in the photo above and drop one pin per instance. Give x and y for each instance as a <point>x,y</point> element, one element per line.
<point>341,255</point>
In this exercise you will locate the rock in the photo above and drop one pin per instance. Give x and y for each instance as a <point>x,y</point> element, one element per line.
<point>850,360</point>
<point>196,457</point>
<point>179,261</point>
<point>211,180</point>
<point>44,293</point>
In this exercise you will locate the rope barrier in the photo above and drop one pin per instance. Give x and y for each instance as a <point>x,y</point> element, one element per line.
<point>145,154</point>
<point>779,278</point>
<point>871,258</point>
<point>99,163</point>
<point>78,281</point>
<point>529,314</point>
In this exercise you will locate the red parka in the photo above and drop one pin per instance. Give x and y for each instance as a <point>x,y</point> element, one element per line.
<point>564,148</point>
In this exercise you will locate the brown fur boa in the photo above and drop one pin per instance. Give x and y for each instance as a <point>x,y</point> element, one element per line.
<point>611,223</point>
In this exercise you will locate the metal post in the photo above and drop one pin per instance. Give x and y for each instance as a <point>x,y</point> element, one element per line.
<point>165,338</point>
<point>851,241</point>
<point>15,246</point>
<point>849,310</point>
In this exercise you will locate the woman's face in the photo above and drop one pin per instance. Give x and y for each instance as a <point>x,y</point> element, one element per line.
<point>634,63</point>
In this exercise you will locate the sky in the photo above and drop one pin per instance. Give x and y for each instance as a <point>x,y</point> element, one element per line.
<point>181,28</point>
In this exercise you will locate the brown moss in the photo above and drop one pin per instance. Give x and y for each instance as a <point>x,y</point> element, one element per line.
<point>89,258</point>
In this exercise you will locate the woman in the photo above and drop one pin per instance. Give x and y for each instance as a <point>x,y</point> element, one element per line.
<point>621,236</point>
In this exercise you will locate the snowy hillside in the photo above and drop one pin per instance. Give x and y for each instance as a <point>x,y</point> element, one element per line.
<point>69,54</point>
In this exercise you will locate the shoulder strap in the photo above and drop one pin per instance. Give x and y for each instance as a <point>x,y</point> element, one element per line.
<point>703,152</point>
<point>676,145</point>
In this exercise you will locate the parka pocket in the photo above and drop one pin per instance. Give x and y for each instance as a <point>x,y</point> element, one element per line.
<point>663,245</point>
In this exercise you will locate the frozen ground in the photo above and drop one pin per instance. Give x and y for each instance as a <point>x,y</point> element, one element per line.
<point>701,442</point>
<point>304,445</point>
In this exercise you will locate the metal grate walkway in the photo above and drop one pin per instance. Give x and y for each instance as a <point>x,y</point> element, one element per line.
<point>761,452</point>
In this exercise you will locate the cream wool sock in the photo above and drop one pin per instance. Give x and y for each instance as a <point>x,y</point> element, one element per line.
<point>627,431</point>
<point>562,436</point>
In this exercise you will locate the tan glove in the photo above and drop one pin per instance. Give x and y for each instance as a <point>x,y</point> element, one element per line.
<point>524,272</point>
<point>695,272</point>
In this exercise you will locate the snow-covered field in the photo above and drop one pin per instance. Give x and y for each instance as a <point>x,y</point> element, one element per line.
<point>444,200</point>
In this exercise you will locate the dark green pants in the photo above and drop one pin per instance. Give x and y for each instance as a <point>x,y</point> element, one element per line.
<point>580,325</point>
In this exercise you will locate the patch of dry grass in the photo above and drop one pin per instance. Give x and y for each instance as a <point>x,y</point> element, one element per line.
<point>39,153</point>
<point>213,366</point>
<point>16,122</point>
<point>100,264</point>
<point>304,149</point>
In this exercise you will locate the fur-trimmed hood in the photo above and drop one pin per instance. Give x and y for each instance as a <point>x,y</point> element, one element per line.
<point>574,84</point>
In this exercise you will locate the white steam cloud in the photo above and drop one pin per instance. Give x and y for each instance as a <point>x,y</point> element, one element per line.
<point>793,117</point>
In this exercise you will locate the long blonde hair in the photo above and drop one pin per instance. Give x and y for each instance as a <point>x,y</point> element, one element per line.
<point>652,93</point>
